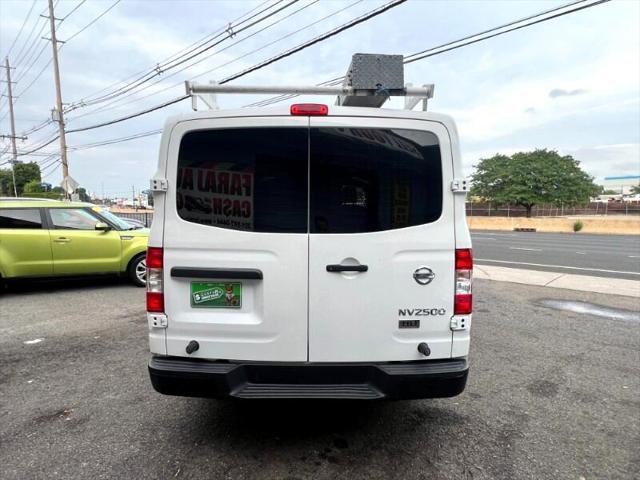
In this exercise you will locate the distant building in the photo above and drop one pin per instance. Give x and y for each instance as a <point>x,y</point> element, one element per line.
<point>621,185</point>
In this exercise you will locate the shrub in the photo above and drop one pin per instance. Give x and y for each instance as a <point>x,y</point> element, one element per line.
<point>577,226</point>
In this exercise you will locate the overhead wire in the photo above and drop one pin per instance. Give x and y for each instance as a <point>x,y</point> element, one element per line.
<point>163,68</point>
<point>24,23</point>
<point>469,39</point>
<point>74,9</point>
<point>410,58</point>
<point>19,56</point>
<point>31,42</point>
<point>371,14</point>
<point>92,21</point>
<point>47,122</point>
<point>110,105</point>
<point>111,141</point>
<point>174,55</point>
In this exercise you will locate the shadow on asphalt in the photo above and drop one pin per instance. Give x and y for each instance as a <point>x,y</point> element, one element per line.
<point>252,422</point>
<point>26,286</point>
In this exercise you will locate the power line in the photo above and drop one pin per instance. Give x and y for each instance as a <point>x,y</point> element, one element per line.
<point>110,104</point>
<point>418,55</point>
<point>287,53</point>
<point>174,63</point>
<point>174,55</point>
<point>52,171</point>
<point>92,21</point>
<point>133,115</point>
<point>467,40</point>
<point>21,28</point>
<point>48,122</point>
<point>20,56</point>
<point>115,140</point>
<point>320,38</point>
<point>26,70</point>
<point>40,147</point>
<point>73,10</point>
<point>429,52</point>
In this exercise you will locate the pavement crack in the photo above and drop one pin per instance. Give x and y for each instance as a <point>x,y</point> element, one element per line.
<point>554,279</point>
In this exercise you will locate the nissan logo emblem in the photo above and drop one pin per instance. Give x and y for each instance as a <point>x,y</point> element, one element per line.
<point>424,275</point>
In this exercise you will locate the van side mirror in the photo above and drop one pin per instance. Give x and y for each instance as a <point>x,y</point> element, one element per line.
<point>102,226</point>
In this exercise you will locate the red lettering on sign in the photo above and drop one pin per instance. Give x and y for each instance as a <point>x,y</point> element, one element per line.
<point>223,182</point>
<point>226,207</point>
<point>236,184</point>
<point>246,209</point>
<point>217,205</point>
<point>187,179</point>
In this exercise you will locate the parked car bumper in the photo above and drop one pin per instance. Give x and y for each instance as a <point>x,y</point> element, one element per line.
<point>365,381</point>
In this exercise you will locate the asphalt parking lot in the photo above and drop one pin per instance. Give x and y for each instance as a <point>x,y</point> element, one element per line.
<point>551,394</point>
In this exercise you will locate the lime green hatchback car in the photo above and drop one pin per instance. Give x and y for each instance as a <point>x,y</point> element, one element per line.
<point>48,238</point>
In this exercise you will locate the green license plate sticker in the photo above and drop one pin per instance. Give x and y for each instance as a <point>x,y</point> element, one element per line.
<point>216,295</point>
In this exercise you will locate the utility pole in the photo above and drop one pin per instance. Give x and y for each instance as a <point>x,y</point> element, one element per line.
<point>13,137</point>
<point>56,76</point>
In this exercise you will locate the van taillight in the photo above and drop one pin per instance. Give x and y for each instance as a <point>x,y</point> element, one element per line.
<point>463,300</point>
<point>155,290</point>
<point>312,109</point>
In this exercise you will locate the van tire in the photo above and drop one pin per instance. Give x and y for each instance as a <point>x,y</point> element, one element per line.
<point>135,270</point>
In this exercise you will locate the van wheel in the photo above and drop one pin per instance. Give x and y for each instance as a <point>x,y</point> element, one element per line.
<point>137,270</point>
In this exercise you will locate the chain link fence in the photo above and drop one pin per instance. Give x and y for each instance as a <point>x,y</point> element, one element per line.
<point>593,208</point>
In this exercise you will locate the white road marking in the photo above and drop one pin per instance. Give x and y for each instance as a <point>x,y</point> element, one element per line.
<point>485,238</point>
<point>527,249</point>
<point>581,253</point>
<point>555,266</point>
<point>494,234</point>
<point>634,256</point>
<point>31,342</point>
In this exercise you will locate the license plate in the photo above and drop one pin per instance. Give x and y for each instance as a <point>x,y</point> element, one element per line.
<point>216,295</point>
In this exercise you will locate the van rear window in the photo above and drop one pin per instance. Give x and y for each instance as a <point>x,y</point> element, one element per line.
<point>357,179</point>
<point>369,180</point>
<point>252,179</point>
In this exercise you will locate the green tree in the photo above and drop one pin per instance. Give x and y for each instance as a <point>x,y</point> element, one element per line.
<point>6,183</point>
<point>24,172</point>
<point>531,178</point>
<point>82,193</point>
<point>635,189</point>
<point>34,186</point>
<point>610,192</point>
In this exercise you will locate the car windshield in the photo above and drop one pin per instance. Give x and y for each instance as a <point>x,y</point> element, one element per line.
<point>117,221</point>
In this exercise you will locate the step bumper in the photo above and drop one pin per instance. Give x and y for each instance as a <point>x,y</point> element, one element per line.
<point>353,381</point>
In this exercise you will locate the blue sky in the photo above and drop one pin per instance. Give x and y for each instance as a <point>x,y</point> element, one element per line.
<point>570,84</point>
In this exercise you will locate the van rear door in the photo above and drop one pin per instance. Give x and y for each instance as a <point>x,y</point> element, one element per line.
<point>235,238</point>
<point>381,213</point>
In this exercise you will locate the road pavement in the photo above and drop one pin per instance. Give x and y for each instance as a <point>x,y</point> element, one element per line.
<point>616,256</point>
<point>551,395</point>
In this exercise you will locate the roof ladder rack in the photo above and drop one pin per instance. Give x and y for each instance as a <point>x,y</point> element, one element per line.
<point>370,81</point>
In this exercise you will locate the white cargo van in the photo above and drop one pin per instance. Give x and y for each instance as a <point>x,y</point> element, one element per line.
<point>309,251</point>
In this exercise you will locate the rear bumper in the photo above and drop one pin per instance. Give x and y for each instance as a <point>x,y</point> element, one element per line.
<point>365,381</point>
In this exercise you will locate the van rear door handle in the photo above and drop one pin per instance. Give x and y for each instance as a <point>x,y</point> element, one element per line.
<point>62,240</point>
<point>347,268</point>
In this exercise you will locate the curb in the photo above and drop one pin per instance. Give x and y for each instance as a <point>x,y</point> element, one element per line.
<point>569,281</point>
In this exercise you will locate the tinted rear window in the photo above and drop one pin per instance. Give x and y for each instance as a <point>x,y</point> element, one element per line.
<point>252,179</point>
<point>368,180</point>
<point>20,218</point>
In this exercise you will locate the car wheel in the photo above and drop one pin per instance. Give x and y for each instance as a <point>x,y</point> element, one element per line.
<point>138,271</point>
